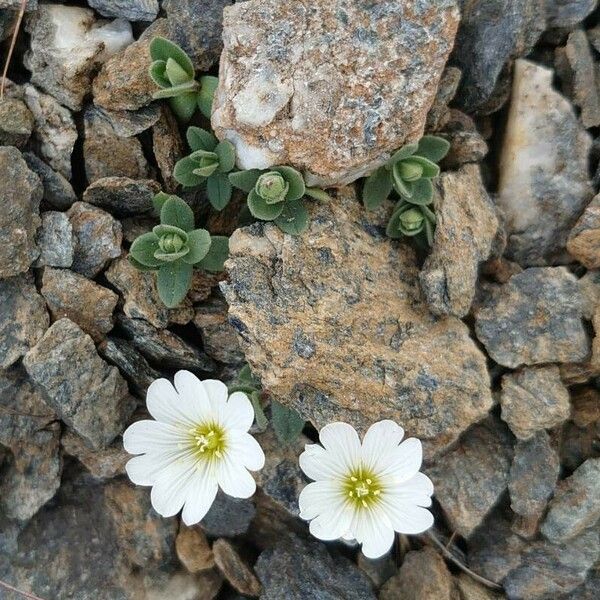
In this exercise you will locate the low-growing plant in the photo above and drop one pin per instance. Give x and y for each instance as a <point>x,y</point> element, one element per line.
<point>173,71</point>
<point>174,248</point>
<point>409,173</point>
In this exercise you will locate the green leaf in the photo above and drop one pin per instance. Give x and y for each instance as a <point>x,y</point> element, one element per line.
<point>184,172</point>
<point>294,219</point>
<point>244,180</point>
<point>404,152</point>
<point>225,150</point>
<point>287,423</point>
<point>259,414</point>
<point>139,266</point>
<point>184,106</point>
<point>157,73</point>
<point>393,227</point>
<point>199,243</point>
<point>160,230</point>
<point>429,229</point>
<point>163,49</point>
<point>404,188</point>
<point>317,194</point>
<point>218,189</point>
<point>430,169</point>
<point>173,282</point>
<point>175,74</point>
<point>422,192</point>
<point>429,214</point>
<point>206,171</point>
<point>176,90</point>
<point>143,249</point>
<point>261,210</point>
<point>246,376</point>
<point>158,201</point>
<point>377,188</point>
<point>296,181</point>
<point>200,139</point>
<point>433,147</point>
<point>218,253</point>
<point>176,212</point>
<point>208,87</point>
<point>171,256</point>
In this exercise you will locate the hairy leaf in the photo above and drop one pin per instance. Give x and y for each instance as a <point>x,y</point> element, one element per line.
<point>176,212</point>
<point>317,194</point>
<point>184,106</point>
<point>163,49</point>
<point>377,188</point>
<point>404,152</point>
<point>225,150</point>
<point>176,90</point>
<point>218,190</point>
<point>287,423</point>
<point>245,180</point>
<point>143,249</point>
<point>422,192</point>
<point>261,210</point>
<point>430,169</point>
<point>139,266</point>
<point>171,256</point>
<point>184,172</point>
<point>157,73</point>
<point>218,253</point>
<point>175,74</point>
<point>208,87</point>
<point>200,139</point>
<point>294,218</point>
<point>295,180</point>
<point>259,414</point>
<point>199,243</point>
<point>173,282</point>
<point>433,147</point>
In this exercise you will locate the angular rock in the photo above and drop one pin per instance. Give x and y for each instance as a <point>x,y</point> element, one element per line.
<point>584,240</point>
<point>122,196</point>
<point>67,46</point>
<point>127,123</point>
<point>20,196</point>
<point>132,10</point>
<point>585,404</point>
<point>297,569</point>
<point>379,570</point>
<point>466,146</point>
<point>305,97</point>
<point>439,112</point>
<point>55,240</point>
<point>568,13</point>
<point>469,589</point>
<point>466,228</point>
<point>299,303</point>
<point>543,181</point>
<point>159,585</point>
<point>234,569</point>
<point>576,504</point>
<point>577,444</point>
<point>471,478</point>
<point>16,122</point>
<point>168,147</point>
<point>193,549</point>
<point>590,368</point>
<point>97,237</point>
<point>101,464</point>
<point>58,192</point>
<point>228,517</point>
<point>85,392</point>
<point>534,318</point>
<point>23,318</point>
<point>534,399</point>
<point>71,295</point>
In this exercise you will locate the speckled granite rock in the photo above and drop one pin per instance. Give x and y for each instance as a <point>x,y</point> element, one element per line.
<point>465,230</point>
<point>58,192</point>
<point>122,196</point>
<point>55,240</point>
<point>543,185</point>
<point>234,569</point>
<point>168,147</point>
<point>228,516</point>
<point>582,372</point>
<point>536,317</point>
<point>16,122</point>
<point>299,303</point>
<point>193,549</point>
<point>132,10</point>
<point>324,93</point>
<point>584,240</point>
<point>568,13</point>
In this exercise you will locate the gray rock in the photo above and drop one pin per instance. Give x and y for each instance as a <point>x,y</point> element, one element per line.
<point>228,517</point>
<point>16,122</point>
<point>234,569</point>
<point>23,318</point>
<point>584,240</point>
<point>589,589</point>
<point>122,196</point>
<point>534,318</point>
<point>97,237</point>
<point>132,10</point>
<point>576,504</point>
<point>438,114</point>
<point>127,123</point>
<point>72,296</point>
<point>568,13</point>
<point>471,478</point>
<point>20,196</point>
<point>168,148</point>
<point>466,143</point>
<point>533,475</point>
<point>55,240</point>
<point>379,570</point>
<point>85,392</point>
<point>466,227</point>
<point>58,192</point>
<point>15,4</point>
<point>297,569</point>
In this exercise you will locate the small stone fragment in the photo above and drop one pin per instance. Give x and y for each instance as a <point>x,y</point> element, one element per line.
<point>379,570</point>
<point>584,240</point>
<point>439,112</point>
<point>193,549</point>
<point>132,10</point>
<point>16,122</point>
<point>228,516</point>
<point>122,196</point>
<point>234,569</point>
<point>97,237</point>
<point>469,589</point>
<point>585,404</point>
<point>85,392</point>
<point>127,123</point>
<point>58,192</point>
<point>107,463</point>
<point>584,371</point>
<point>55,240</point>
<point>168,147</point>
<point>568,13</point>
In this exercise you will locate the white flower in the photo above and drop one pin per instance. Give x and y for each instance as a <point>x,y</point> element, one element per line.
<point>365,492</point>
<point>199,442</point>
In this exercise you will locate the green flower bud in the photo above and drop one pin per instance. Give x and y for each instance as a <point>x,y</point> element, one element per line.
<point>409,170</point>
<point>412,219</point>
<point>170,243</point>
<point>272,187</point>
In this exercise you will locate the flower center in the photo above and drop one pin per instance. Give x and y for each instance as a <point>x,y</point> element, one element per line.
<point>208,441</point>
<point>362,488</point>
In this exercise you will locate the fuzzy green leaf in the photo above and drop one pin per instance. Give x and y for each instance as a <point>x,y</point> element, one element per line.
<point>143,249</point>
<point>225,150</point>
<point>171,256</point>
<point>139,266</point>
<point>295,180</point>
<point>163,49</point>
<point>317,194</point>
<point>404,188</point>
<point>393,227</point>
<point>175,74</point>
<point>294,219</point>
<point>218,190</point>
<point>157,73</point>
<point>208,87</point>
<point>164,229</point>
<point>287,423</point>
<point>184,106</point>
<point>429,231</point>
<point>176,212</point>
<point>173,282</point>
<point>176,90</point>
<point>422,192</point>
<point>199,243</point>
<point>218,253</point>
<point>259,414</point>
<point>200,139</point>
<point>261,210</point>
<point>377,188</point>
<point>244,180</point>
<point>433,148</point>
<point>206,171</point>
<point>404,152</point>
<point>430,169</point>
<point>158,201</point>
<point>184,172</point>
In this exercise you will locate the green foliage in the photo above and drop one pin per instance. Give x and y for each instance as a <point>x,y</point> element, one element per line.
<point>409,173</point>
<point>173,248</point>
<point>287,423</point>
<point>250,385</point>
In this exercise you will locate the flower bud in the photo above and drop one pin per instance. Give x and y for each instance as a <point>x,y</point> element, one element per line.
<point>409,170</point>
<point>412,220</point>
<point>170,243</point>
<point>272,187</point>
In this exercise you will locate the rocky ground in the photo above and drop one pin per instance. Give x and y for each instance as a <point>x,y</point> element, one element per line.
<point>487,347</point>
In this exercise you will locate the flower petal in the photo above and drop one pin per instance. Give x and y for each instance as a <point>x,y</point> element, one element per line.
<point>238,412</point>
<point>165,405</point>
<point>342,441</point>
<point>146,468</point>
<point>217,395</point>
<point>235,480</point>
<point>333,524</point>
<point>245,450</point>
<point>200,497</point>
<point>403,462</point>
<point>417,490</point>
<point>194,396</point>
<point>406,517</point>
<point>318,498</point>
<point>151,436</point>
<point>319,464</point>
<point>172,487</point>
<point>379,442</point>
<point>374,532</point>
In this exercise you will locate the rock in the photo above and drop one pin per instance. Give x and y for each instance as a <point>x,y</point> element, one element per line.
<point>298,303</point>
<point>193,549</point>
<point>439,112</point>
<point>107,154</point>
<point>543,181</point>
<point>122,196</point>
<point>568,13</point>
<point>576,504</point>
<point>533,475</point>
<point>203,283</point>
<point>33,475</point>
<point>138,289</point>
<point>71,295</point>
<point>297,569</point>
<point>422,576</point>
<point>379,570</point>
<point>234,569</point>
<point>127,123</point>
<point>181,584</point>
<point>491,34</point>
<point>228,517</point>
<point>466,228</point>
<point>534,399</point>
<point>534,318</point>
<point>168,147</point>
<point>132,10</point>
<point>58,192</point>
<point>97,237</point>
<point>67,46</point>
<point>85,392</point>
<point>329,68</point>
<point>577,444</point>
<point>584,240</point>
<point>54,133</point>
<point>466,146</point>
<point>133,227</point>
<point>20,195</point>
<point>132,365</point>
<point>123,82</point>
<point>590,368</point>
<point>589,589</point>
<point>55,240</point>
<point>469,589</point>
<point>471,478</point>
<point>16,122</point>
<point>101,464</point>
<point>585,407</point>
<point>23,318</point>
